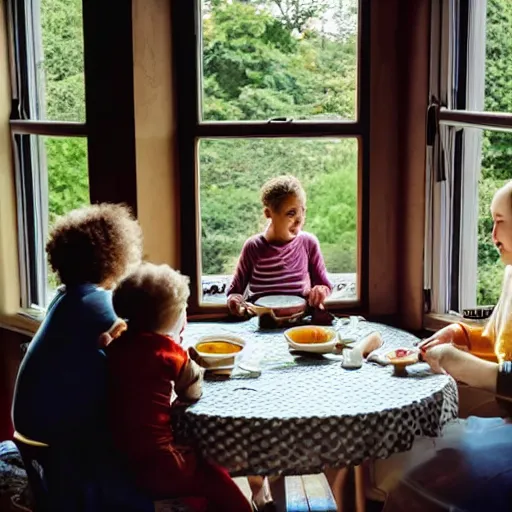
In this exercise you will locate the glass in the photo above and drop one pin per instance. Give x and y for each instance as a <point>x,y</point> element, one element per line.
<point>496,170</point>
<point>498,53</point>
<point>63,164</point>
<point>231,173</point>
<point>263,59</point>
<point>57,58</point>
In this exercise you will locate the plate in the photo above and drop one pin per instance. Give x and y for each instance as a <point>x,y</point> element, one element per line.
<point>280,301</point>
<point>316,348</point>
<point>402,357</point>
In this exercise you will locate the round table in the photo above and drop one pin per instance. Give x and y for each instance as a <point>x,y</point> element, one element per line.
<point>304,414</point>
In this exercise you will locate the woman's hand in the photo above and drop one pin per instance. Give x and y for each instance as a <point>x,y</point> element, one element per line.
<point>451,334</point>
<point>317,295</point>
<point>235,302</point>
<point>439,356</point>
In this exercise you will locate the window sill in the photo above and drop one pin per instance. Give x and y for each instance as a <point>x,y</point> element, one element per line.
<point>434,321</point>
<point>20,322</point>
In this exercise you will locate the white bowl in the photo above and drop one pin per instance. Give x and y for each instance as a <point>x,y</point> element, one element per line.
<point>317,348</point>
<point>228,338</point>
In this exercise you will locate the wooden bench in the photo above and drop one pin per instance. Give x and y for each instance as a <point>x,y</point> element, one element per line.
<point>307,493</point>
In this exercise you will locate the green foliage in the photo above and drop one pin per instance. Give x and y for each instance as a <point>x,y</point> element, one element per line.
<point>260,63</point>
<point>62,69</point>
<point>497,146</point>
<point>63,59</point>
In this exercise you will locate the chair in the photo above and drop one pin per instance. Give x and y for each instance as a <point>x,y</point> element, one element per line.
<point>59,484</point>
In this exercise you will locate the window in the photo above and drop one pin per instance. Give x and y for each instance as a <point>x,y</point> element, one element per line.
<point>270,87</point>
<point>470,158</point>
<point>48,128</point>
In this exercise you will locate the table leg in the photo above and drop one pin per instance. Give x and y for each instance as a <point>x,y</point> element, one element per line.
<point>360,488</point>
<point>337,478</point>
<point>277,488</point>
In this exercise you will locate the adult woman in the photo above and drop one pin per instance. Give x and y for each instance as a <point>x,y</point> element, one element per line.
<point>469,467</point>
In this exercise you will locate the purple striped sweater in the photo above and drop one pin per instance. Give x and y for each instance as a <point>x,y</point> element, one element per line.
<point>289,269</point>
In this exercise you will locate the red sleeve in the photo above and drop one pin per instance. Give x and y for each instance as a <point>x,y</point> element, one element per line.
<point>174,357</point>
<point>243,270</point>
<point>316,265</point>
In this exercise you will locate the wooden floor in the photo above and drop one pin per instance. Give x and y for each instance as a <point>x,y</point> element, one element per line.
<point>307,493</point>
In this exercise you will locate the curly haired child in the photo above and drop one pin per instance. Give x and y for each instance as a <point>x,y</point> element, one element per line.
<point>146,364</point>
<point>283,259</point>
<point>60,389</point>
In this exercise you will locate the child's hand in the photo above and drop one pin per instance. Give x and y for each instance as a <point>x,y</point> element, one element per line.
<point>104,340</point>
<point>107,337</point>
<point>235,302</point>
<point>317,295</point>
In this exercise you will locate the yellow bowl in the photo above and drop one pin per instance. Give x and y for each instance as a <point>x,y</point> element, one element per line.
<point>219,346</point>
<point>312,338</point>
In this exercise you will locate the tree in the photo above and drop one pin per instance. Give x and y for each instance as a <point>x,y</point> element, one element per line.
<point>497,146</point>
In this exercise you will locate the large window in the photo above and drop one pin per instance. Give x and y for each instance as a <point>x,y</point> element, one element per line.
<point>471,157</point>
<point>48,128</point>
<point>270,87</point>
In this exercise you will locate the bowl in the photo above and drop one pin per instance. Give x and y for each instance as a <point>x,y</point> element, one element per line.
<point>281,306</point>
<point>312,338</point>
<point>219,351</point>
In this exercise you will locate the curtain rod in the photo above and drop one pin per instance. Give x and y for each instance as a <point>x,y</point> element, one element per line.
<point>497,121</point>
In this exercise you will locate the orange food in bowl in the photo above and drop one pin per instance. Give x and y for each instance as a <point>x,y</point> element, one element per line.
<point>218,347</point>
<point>311,335</point>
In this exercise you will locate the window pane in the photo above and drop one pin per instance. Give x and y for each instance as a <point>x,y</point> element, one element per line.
<point>231,175</point>
<point>270,58</point>
<point>498,50</point>
<point>496,170</point>
<point>57,60</point>
<point>63,163</point>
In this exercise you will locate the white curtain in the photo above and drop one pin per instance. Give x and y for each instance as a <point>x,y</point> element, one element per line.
<point>472,156</point>
<point>440,186</point>
<point>440,161</point>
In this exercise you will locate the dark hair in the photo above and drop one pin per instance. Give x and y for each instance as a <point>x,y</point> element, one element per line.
<point>96,244</point>
<point>152,297</point>
<point>276,190</point>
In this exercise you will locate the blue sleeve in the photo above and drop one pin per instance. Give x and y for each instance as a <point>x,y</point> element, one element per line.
<point>100,310</point>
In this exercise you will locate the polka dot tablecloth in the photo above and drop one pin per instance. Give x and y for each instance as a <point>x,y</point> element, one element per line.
<point>303,414</point>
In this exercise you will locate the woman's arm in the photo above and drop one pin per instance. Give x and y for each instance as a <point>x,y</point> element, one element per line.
<point>463,367</point>
<point>465,336</point>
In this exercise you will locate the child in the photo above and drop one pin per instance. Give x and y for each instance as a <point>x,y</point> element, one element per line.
<point>145,365</point>
<point>284,259</point>
<point>60,389</point>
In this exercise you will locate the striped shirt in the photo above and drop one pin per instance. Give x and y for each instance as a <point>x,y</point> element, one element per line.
<point>289,269</point>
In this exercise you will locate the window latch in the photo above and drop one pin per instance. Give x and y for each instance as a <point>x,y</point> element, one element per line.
<point>280,120</point>
<point>432,121</point>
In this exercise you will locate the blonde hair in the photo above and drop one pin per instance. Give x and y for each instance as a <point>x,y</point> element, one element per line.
<point>152,298</point>
<point>276,190</point>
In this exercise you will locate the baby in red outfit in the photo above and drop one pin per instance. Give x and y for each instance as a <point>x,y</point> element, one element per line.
<point>146,364</point>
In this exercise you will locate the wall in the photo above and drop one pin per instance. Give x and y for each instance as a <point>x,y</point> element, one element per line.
<point>10,358</point>
<point>155,131</point>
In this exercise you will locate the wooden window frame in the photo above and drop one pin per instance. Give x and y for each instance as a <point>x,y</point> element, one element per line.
<point>190,128</point>
<point>109,105</point>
